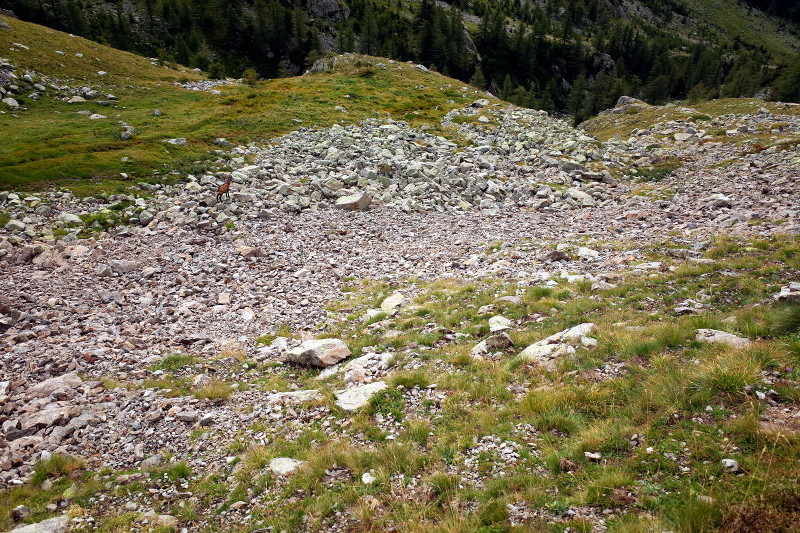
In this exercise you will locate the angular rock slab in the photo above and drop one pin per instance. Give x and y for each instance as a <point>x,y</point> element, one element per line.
<point>789,294</point>
<point>319,352</point>
<point>49,417</point>
<point>357,397</point>
<point>49,386</point>
<point>714,336</point>
<point>354,202</point>
<point>298,396</point>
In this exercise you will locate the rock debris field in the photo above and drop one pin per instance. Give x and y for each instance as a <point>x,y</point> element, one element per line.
<point>82,304</point>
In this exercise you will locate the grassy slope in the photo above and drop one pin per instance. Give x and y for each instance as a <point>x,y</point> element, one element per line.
<point>729,20</point>
<point>607,126</point>
<point>52,145</point>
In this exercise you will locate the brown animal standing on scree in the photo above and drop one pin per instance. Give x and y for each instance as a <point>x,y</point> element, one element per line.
<point>225,189</point>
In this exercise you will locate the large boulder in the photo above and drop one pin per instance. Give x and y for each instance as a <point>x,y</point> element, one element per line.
<point>49,417</point>
<point>319,352</point>
<point>393,303</point>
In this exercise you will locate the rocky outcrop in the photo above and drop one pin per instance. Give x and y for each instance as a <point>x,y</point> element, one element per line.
<point>334,10</point>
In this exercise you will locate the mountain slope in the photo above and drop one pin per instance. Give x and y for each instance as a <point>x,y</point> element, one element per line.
<point>574,56</point>
<point>55,142</point>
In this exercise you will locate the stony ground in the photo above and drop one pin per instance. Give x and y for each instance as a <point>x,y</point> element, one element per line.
<point>149,343</point>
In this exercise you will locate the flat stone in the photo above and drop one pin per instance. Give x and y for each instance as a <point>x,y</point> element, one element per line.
<point>51,525</point>
<point>298,396</point>
<point>284,465</point>
<point>357,397</point>
<point>714,336</point>
<point>69,219</point>
<point>123,266</point>
<point>49,417</point>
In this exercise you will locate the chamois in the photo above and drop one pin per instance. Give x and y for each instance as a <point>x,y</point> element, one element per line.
<point>225,189</point>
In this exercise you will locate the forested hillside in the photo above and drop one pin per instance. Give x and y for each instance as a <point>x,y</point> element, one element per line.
<point>573,56</point>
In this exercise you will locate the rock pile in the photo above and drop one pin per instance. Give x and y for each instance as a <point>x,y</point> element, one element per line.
<point>526,159</point>
<point>17,89</point>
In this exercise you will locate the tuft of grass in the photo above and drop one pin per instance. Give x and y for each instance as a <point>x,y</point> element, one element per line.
<point>728,372</point>
<point>785,320</point>
<point>216,390</point>
<point>175,362</point>
<point>389,402</point>
<point>57,465</point>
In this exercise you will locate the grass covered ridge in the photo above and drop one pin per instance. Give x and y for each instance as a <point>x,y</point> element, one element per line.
<point>51,144</point>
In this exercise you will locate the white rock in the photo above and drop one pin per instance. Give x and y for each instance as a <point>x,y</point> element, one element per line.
<point>714,336</point>
<point>298,396</point>
<point>556,345</point>
<point>358,397</point>
<point>393,303</point>
<point>499,323</point>
<point>284,465</point>
<point>319,352</point>
<point>730,466</point>
<point>368,478</point>
<point>52,525</point>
